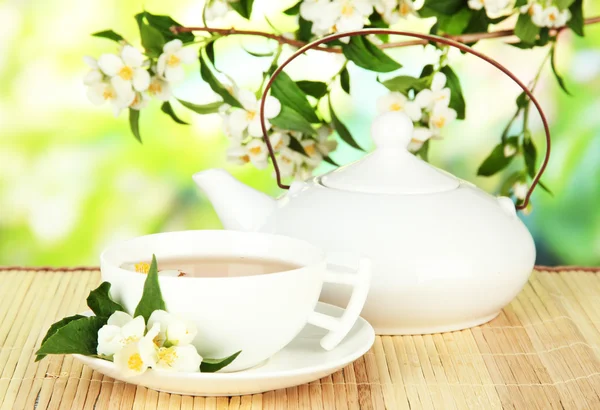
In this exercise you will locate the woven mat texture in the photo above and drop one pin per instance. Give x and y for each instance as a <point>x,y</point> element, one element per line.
<point>542,352</point>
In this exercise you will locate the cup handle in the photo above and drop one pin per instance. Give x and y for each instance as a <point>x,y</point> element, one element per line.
<point>339,327</point>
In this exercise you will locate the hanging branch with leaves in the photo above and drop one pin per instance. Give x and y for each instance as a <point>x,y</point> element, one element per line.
<point>302,127</point>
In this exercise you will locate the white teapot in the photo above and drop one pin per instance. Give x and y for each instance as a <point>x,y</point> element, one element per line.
<point>446,255</point>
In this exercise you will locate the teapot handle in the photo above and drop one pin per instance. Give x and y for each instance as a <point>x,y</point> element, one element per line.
<point>428,37</point>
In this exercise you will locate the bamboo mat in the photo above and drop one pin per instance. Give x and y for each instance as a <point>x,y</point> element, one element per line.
<point>542,352</point>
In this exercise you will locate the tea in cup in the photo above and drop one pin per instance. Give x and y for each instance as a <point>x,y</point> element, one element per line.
<point>245,291</point>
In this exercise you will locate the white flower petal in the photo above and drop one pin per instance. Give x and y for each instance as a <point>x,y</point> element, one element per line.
<point>187,55</point>
<point>129,361</point>
<point>181,332</point>
<point>254,127</point>
<point>424,98</point>
<point>134,329</point>
<point>413,110</point>
<point>272,107</point>
<point>161,64</point>
<point>92,77</point>
<point>421,134</point>
<point>247,99</point>
<point>91,62</point>
<point>237,122</point>
<point>173,46</point>
<point>110,64</point>
<point>95,93</point>
<point>174,74</point>
<point>141,79</point>
<point>132,56</point>
<point>119,319</point>
<point>123,89</point>
<point>438,82</point>
<point>109,340</point>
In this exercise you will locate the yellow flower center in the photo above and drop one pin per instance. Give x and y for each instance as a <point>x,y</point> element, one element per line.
<point>130,339</point>
<point>395,107</point>
<point>245,158</point>
<point>310,150</point>
<point>255,150</point>
<point>156,340</point>
<point>142,267</point>
<point>531,11</point>
<point>286,160</point>
<point>439,122</point>
<point>279,145</point>
<point>167,355</point>
<point>136,100</point>
<point>250,115</point>
<point>405,8</point>
<point>135,362</point>
<point>347,10</point>
<point>552,16</point>
<point>155,87</point>
<point>173,61</point>
<point>126,73</point>
<point>108,94</point>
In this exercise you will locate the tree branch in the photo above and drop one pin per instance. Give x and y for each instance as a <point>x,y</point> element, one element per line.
<point>463,38</point>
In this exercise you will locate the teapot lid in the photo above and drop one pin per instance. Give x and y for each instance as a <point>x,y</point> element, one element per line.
<point>391,168</point>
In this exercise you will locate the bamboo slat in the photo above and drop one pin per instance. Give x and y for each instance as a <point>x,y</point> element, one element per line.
<point>541,352</point>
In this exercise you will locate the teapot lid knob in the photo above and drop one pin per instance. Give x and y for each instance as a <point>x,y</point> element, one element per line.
<point>392,130</point>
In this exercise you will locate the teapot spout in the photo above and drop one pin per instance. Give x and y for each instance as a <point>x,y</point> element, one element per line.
<point>238,206</point>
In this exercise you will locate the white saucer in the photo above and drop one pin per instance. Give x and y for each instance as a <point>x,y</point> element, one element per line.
<point>302,361</point>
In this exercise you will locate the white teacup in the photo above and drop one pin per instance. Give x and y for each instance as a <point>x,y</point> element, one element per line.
<point>257,314</point>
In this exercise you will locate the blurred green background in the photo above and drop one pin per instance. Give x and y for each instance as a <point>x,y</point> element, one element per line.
<point>73,179</point>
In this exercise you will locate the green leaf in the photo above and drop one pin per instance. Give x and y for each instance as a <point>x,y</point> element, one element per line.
<point>426,71</point>
<point>294,10</point>
<point>530,155</point>
<point>444,7</point>
<point>163,24</point>
<point>563,4</point>
<point>167,108</point>
<point>522,100</point>
<point>345,80</point>
<point>291,95</point>
<point>304,32</point>
<point>315,88</point>
<point>367,55</point>
<point>506,187</point>
<point>213,365</point>
<point>404,83</point>
<point>342,130</point>
<point>78,336</point>
<point>576,22</point>
<point>288,119</point>
<point>242,7</point>
<point>457,100</point>
<point>210,52</point>
<point>520,3</point>
<point>109,34</point>
<point>54,328</point>
<point>295,145</point>
<point>330,161</point>
<point>456,23</point>
<point>525,29</point>
<point>209,108</point>
<point>134,123</point>
<point>215,85</point>
<point>545,188</point>
<point>151,296</point>
<point>495,162</point>
<point>152,40</point>
<point>559,79</point>
<point>256,54</point>
<point>478,23</point>
<point>100,302</point>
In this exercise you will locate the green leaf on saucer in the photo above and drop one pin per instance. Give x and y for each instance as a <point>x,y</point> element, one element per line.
<point>167,108</point>
<point>54,328</point>
<point>151,296</point>
<point>78,336</point>
<point>367,55</point>
<point>134,123</point>
<point>101,303</point>
<point>110,35</point>
<point>213,365</point>
<point>342,130</point>
<point>216,85</point>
